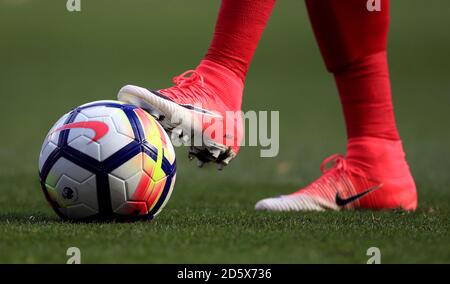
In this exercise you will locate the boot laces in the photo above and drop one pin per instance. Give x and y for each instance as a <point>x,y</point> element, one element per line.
<point>338,163</point>
<point>335,174</point>
<point>191,85</point>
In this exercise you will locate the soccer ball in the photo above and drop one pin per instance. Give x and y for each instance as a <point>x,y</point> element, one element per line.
<point>107,160</point>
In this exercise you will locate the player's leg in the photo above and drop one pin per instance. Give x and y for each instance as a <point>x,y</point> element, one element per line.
<point>216,84</point>
<point>374,173</point>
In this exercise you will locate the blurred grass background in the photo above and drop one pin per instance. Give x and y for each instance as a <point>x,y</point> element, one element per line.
<point>52,60</point>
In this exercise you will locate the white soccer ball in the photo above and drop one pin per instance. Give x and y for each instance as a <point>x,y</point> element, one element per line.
<point>107,160</point>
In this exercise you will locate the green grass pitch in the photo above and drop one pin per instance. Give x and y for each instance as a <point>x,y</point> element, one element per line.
<point>52,60</point>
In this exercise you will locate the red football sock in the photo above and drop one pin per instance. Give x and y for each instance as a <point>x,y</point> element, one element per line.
<point>365,93</point>
<point>353,44</point>
<point>238,29</point>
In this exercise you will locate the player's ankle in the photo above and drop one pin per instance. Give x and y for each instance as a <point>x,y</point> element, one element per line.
<point>383,161</point>
<point>223,81</point>
<point>377,156</point>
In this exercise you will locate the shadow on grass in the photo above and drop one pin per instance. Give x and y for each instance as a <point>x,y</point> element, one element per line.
<point>40,218</point>
<point>6,218</point>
